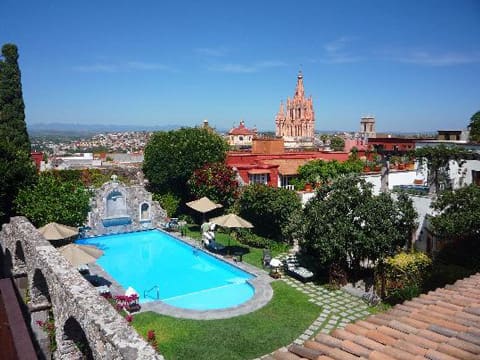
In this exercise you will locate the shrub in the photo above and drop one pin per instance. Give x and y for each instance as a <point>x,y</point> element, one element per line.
<point>169,203</point>
<point>403,275</point>
<point>268,208</point>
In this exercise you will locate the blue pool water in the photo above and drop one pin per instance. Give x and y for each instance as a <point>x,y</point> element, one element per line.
<point>185,278</point>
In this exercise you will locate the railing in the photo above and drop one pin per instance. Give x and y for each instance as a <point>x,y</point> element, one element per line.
<point>156,287</point>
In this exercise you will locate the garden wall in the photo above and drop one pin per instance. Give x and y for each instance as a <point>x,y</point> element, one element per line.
<point>86,325</point>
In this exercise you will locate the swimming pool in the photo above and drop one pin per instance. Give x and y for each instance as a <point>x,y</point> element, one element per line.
<point>184,277</point>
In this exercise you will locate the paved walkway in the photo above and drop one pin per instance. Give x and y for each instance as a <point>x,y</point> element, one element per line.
<point>338,308</point>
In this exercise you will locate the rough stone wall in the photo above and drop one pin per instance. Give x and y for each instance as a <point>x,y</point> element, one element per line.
<point>72,298</point>
<point>135,195</point>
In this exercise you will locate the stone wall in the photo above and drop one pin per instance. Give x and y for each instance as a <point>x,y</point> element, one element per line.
<point>80,314</point>
<point>134,197</point>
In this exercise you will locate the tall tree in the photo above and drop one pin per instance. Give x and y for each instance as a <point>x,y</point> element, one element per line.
<point>54,200</point>
<point>171,157</point>
<point>216,181</point>
<point>345,224</point>
<point>474,127</point>
<point>12,108</point>
<point>16,167</point>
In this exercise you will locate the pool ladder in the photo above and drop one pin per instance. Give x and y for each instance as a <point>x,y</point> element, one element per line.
<point>146,292</point>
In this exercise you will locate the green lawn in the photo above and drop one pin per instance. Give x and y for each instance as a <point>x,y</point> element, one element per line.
<point>251,255</point>
<point>243,337</point>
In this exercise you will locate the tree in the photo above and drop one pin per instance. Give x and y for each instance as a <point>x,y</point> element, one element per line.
<point>437,159</point>
<point>16,171</point>
<point>345,224</point>
<point>16,167</point>
<point>474,127</point>
<point>13,128</point>
<point>172,157</point>
<point>320,171</point>
<point>459,214</point>
<point>268,209</point>
<point>216,181</point>
<point>51,199</point>
<point>337,143</point>
<point>407,218</point>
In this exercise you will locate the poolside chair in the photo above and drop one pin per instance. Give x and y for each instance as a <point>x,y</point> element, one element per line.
<point>215,247</point>
<point>293,268</point>
<point>266,257</point>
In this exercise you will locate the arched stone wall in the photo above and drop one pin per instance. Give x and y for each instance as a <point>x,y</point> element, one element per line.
<point>75,341</point>
<point>72,297</point>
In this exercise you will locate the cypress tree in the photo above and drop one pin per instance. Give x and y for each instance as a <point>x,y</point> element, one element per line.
<point>16,167</point>
<point>13,128</point>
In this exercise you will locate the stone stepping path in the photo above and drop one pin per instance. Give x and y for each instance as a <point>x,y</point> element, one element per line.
<point>338,308</point>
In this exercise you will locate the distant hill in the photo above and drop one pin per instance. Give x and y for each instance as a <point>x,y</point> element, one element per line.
<point>87,129</point>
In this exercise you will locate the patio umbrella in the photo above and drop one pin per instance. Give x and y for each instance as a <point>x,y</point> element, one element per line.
<point>275,262</point>
<point>55,231</point>
<point>80,254</point>
<point>203,205</point>
<point>231,221</point>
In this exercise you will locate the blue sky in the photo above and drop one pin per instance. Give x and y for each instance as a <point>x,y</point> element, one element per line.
<point>415,65</point>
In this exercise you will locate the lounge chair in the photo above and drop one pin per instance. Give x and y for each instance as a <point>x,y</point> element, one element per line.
<point>172,225</point>
<point>266,257</point>
<point>293,269</point>
<point>214,246</point>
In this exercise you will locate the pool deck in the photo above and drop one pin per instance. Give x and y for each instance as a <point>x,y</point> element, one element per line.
<point>261,283</point>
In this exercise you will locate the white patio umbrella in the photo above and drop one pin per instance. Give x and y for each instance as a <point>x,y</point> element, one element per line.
<point>231,221</point>
<point>275,262</point>
<point>203,205</point>
<point>55,231</point>
<point>80,254</point>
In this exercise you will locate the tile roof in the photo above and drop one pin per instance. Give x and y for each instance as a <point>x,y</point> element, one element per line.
<point>441,325</point>
<point>288,166</point>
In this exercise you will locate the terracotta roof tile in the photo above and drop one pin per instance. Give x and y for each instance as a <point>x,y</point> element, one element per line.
<point>328,340</point>
<point>368,343</point>
<point>398,353</point>
<point>456,352</point>
<point>355,349</point>
<point>380,337</point>
<point>464,345</point>
<point>378,355</point>
<point>436,355</point>
<point>421,341</point>
<point>441,325</point>
<point>304,352</point>
<point>409,347</point>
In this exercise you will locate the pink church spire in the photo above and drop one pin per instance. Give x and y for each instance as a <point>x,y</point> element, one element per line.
<point>300,91</point>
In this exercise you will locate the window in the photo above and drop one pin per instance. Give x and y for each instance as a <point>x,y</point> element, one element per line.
<point>258,178</point>
<point>476,177</point>
<point>285,181</point>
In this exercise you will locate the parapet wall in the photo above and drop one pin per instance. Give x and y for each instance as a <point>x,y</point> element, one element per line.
<point>80,314</point>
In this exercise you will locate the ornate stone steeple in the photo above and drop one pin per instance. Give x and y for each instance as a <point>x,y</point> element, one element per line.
<point>299,118</point>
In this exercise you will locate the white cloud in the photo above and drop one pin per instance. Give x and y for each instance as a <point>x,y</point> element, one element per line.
<point>423,57</point>
<point>336,51</point>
